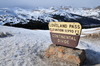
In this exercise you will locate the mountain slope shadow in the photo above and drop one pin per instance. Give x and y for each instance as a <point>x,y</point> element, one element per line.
<point>86,22</point>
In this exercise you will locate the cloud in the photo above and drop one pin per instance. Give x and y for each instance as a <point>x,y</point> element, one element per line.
<point>48,3</point>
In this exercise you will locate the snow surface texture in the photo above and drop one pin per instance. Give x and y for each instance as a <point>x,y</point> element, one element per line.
<point>17,15</point>
<point>24,47</point>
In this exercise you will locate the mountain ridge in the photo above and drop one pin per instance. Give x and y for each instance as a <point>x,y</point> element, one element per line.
<point>19,16</point>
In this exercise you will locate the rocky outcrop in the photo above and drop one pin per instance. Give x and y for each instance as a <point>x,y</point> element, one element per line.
<point>75,56</point>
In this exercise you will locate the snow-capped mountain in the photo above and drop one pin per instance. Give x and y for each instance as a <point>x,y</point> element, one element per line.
<point>13,16</point>
<point>17,15</point>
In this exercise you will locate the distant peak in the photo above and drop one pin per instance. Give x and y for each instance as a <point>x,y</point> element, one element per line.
<point>98,7</point>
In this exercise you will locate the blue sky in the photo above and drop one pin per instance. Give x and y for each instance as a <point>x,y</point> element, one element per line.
<point>48,3</point>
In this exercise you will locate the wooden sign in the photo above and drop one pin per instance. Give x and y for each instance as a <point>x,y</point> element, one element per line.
<point>65,33</point>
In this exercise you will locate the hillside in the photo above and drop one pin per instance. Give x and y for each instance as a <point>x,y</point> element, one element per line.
<point>39,18</point>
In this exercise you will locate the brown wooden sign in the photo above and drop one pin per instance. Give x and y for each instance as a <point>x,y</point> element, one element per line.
<point>65,33</point>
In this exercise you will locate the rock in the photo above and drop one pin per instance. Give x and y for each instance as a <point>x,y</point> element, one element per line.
<point>75,55</point>
<point>5,34</point>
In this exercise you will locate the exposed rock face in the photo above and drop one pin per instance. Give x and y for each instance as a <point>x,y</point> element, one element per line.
<point>75,56</point>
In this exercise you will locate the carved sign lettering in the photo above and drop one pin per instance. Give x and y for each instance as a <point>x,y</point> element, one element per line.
<point>65,33</point>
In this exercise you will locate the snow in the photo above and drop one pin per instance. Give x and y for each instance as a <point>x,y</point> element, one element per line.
<point>17,15</point>
<point>23,42</point>
<point>20,46</point>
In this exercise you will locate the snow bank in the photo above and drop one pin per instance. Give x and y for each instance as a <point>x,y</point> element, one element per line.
<point>93,32</point>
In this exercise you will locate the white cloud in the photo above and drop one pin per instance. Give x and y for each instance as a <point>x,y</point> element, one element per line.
<point>48,3</point>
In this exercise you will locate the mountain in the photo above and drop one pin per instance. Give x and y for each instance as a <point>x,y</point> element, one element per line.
<point>98,7</point>
<point>40,17</point>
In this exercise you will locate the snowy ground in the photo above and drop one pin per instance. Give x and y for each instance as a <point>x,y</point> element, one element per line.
<point>23,47</point>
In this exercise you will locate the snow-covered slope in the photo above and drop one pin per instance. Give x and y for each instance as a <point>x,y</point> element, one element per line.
<point>23,16</point>
<point>88,12</point>
<point>23,47</point>
<point>17,15</point>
